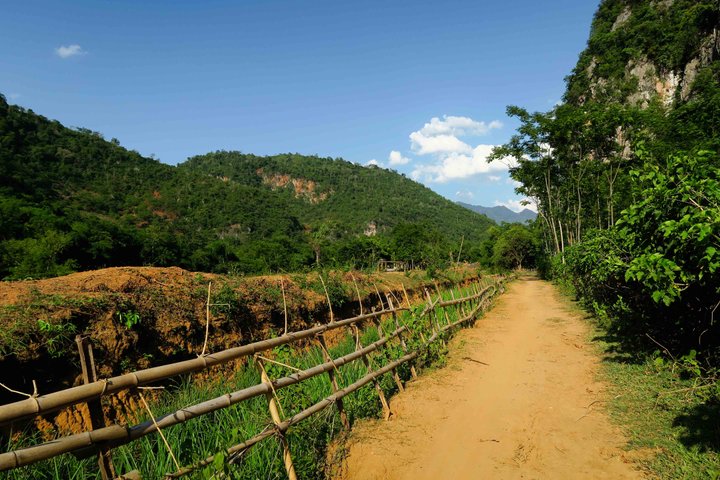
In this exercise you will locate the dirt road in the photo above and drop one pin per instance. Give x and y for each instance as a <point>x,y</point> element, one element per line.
<point>518,399</point>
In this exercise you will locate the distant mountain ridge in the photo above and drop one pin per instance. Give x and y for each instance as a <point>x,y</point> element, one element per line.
<point>502,214</point>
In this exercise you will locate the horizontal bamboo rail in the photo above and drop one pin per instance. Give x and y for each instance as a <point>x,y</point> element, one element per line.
<point>28,408</point>
<point>308,412</point>
<point>326,402</point>
<point>115,435</point>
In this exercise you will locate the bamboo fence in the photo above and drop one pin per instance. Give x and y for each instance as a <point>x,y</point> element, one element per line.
<point>103,438</point>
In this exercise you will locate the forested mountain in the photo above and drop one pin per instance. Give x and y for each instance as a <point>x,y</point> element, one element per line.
<point>70,200</point>
<point>626,171</point>
<point>501,213</point>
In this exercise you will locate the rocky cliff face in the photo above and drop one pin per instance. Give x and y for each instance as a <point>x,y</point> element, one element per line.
<point>645,51</point>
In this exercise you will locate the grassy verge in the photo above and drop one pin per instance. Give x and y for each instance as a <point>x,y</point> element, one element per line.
<point>213,433</point>
<point>674,427</point>
<point>669,414</point>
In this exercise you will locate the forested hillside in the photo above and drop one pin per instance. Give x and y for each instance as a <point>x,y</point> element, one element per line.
<point>70,200</point>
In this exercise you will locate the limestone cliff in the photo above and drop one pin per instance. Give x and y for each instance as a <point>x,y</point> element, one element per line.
<point>645,51</point>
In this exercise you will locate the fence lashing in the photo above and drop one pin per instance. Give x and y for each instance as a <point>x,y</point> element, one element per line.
<point>407,298</point>
<point>115,435</point>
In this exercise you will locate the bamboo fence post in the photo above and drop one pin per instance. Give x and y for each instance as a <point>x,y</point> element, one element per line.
<point>382,305</point>
<point>358,346</point>
<point>97,418</point>
<point>461,305</point>
<point>407,299</point>
<point>447,317</point>
<point>378,388</point>
<point>327,296</point>
<point>378,325</point>
<point>333,381</point>
<point>282,288</point>
<point>275,414</point>
<point>430,302</point>
<point>436,325</point>
<point>437,289</point>
<point>358,293</point>
<point>413,373</point>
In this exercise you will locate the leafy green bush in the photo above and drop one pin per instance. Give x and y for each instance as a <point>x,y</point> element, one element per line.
<point>662,259</point>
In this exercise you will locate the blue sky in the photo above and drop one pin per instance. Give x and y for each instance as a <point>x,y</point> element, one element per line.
<point>417,86</point>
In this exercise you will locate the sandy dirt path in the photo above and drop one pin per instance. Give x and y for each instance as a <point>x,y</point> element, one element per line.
<point>519,398</point>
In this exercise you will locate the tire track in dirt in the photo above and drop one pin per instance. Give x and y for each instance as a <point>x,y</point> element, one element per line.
<point>518,399</point>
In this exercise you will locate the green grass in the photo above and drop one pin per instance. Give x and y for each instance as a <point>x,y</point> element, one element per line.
<point>205,436</point>
<point>672,427</point>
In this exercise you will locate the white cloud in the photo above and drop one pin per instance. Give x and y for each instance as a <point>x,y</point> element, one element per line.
<point>454,166</point>
<point>457,126</point>
<point>513,182</point>
<point>494,178</point>
<point>439,144</point>
<point>464,194</point>
<point>440,136</point>
<point>396,158</point>
<point>454,158</point>
<point>69,51</point>
<point>518,205</point>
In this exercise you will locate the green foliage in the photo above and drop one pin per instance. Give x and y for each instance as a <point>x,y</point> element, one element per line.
<point>129,319</point>
<point>662,260</point>
<point>57,337</point>
<point>674,230</point>
<point>515,247</point>
<point>37,257</point>
<point>70,200</point>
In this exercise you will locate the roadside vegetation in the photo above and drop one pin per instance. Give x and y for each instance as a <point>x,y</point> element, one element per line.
<point>628,196</point>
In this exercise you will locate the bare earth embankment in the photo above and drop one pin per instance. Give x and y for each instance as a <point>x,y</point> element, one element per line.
<point>518,399</point>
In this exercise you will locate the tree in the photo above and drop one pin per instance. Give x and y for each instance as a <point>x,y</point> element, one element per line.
<point>515,248</point>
